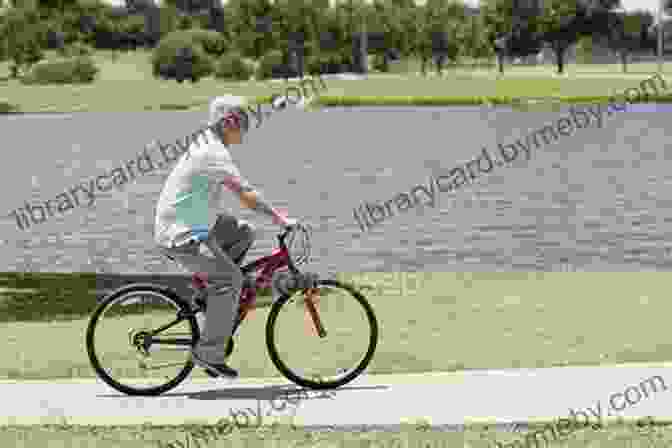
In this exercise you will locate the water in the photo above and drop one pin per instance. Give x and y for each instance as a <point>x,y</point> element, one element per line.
<point>598,200</point>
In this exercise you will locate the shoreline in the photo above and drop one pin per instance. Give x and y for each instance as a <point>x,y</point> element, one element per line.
<point>387,101</point>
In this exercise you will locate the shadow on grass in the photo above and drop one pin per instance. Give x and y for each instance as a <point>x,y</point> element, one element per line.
<point>41,297</point>
<point>250,393</point>
<point>8,108</point>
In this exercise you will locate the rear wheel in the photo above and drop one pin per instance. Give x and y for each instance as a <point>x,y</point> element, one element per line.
<point>335,357</point>
<point>125,348</point>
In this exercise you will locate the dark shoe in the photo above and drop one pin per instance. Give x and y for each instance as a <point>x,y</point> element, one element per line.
<point>214,369</point>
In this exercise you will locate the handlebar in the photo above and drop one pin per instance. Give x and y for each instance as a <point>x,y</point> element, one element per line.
<point>281,240</point>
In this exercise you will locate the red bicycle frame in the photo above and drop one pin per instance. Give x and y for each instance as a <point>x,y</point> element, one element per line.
<point>266,267</point>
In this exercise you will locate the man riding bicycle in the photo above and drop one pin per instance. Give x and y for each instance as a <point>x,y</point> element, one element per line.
<point>189,199</point>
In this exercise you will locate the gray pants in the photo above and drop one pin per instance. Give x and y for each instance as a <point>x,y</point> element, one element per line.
<point>229,239</point>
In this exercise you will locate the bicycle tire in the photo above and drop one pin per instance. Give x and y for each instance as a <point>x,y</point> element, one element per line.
<point>168,294</point>
<point>308,383</point>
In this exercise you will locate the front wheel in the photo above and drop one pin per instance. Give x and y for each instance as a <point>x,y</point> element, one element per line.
<point>328,339</point>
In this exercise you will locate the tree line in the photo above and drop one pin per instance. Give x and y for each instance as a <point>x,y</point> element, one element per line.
<point>439,31</point>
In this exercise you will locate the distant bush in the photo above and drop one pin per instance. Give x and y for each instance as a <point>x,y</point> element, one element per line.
<point>232,66</point>
<point>24,56</point>
<point>23,38</point>
<point>201,20</point>
<point>168,21</point>
<point>267,63</point>
<point>7,108</point>
<point>55,39</point>
<point>132,24</point>
<point>75,70</point>
<point>165,54</point>
<point>185,22</point>
<point>380,63</point>
<point>584,50</point>
<point>69,24</point>
<point>321,64</point>
<point>213,43</point>
<point>77,49</point>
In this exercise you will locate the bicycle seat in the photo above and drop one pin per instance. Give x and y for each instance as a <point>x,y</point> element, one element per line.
<point>200,233</point>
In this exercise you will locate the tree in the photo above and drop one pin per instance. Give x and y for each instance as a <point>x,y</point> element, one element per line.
<point>346,21</point>
<point>296,22</point>
<point>386,19</point>
<point>409,27</point>
<point>559,25</point>
<point>22,31</point>
<point>57,5</point>
<point>245,14</point>
<point>434,18</point>
<point>476,40</point>
<point>627,34</point>
<point>497,18</point>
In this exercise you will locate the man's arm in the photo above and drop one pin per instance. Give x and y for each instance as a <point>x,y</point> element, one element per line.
<point>253,200</point>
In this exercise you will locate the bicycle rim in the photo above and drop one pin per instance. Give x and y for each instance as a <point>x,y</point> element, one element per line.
<point>116,334</point>
<point>309,360</point>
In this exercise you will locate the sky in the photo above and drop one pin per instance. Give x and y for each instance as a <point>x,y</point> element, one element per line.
<point>628,5</point>
<point>631,5</point>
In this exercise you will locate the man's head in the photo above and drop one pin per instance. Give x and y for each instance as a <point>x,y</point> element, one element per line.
<point>228,118</point>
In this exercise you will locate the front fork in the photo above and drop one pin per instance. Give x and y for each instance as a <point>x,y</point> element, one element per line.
<point>312,296</point>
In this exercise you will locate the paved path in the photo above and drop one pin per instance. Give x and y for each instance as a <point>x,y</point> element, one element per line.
<point>502,396</point>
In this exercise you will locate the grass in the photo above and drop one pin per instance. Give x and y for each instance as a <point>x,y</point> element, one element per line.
<point>495,320</point>
<point>131,72</point>
<point>284,436</point>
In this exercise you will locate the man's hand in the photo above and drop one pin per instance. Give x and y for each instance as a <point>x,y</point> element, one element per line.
<point>248,199</point>
<point>290,223</point>
<point>279,103</point>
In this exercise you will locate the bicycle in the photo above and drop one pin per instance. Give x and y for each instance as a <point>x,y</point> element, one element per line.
<point>279,271</point>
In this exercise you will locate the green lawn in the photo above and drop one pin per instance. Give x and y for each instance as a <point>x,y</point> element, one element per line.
<point>498,320</point>
<point>409,436</point>
<point>131,73</point>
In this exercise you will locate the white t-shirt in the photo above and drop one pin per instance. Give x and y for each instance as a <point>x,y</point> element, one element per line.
<point>192,195</point>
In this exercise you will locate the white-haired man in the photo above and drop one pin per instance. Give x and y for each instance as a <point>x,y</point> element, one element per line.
<point>190,202</point>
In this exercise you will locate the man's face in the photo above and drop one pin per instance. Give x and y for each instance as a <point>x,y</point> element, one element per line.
<point>230,127</point>
<point>232,136</point>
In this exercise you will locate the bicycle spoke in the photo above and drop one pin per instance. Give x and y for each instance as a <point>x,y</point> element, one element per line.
<point>167,326</point>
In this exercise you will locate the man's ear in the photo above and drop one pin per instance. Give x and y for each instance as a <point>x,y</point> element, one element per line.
<point>217,129</point>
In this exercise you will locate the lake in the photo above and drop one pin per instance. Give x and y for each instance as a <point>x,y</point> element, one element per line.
<point>597,200</point>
